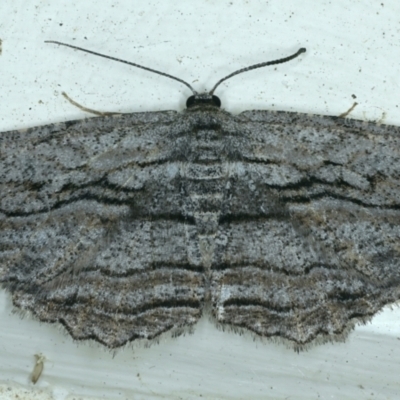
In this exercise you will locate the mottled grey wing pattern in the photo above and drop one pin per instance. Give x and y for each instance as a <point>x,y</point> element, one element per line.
<point>325,252</point>
<point>124,227</point>
<point>92,232</point>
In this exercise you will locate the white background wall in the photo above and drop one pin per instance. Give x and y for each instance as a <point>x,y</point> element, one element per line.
<point>352,48</point>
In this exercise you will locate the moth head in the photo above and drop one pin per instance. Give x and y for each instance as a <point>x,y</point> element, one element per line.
<point>203,99</point>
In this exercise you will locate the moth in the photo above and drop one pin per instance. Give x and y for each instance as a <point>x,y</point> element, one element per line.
<point>127,226</point>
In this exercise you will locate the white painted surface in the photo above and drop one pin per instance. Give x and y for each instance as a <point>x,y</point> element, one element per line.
<point>352,48</point>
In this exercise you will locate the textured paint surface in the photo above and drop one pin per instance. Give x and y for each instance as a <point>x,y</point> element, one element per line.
<point>124,227</point>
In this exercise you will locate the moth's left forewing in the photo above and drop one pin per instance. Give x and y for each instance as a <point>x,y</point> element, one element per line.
<point>317,249</point>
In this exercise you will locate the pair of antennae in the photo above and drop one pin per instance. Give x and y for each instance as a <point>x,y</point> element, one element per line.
<point>255,66</point>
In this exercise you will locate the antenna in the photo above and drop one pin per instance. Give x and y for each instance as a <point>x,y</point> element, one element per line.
<point>211,92</point>
<point>259,65</point>
<point>123,61</point>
